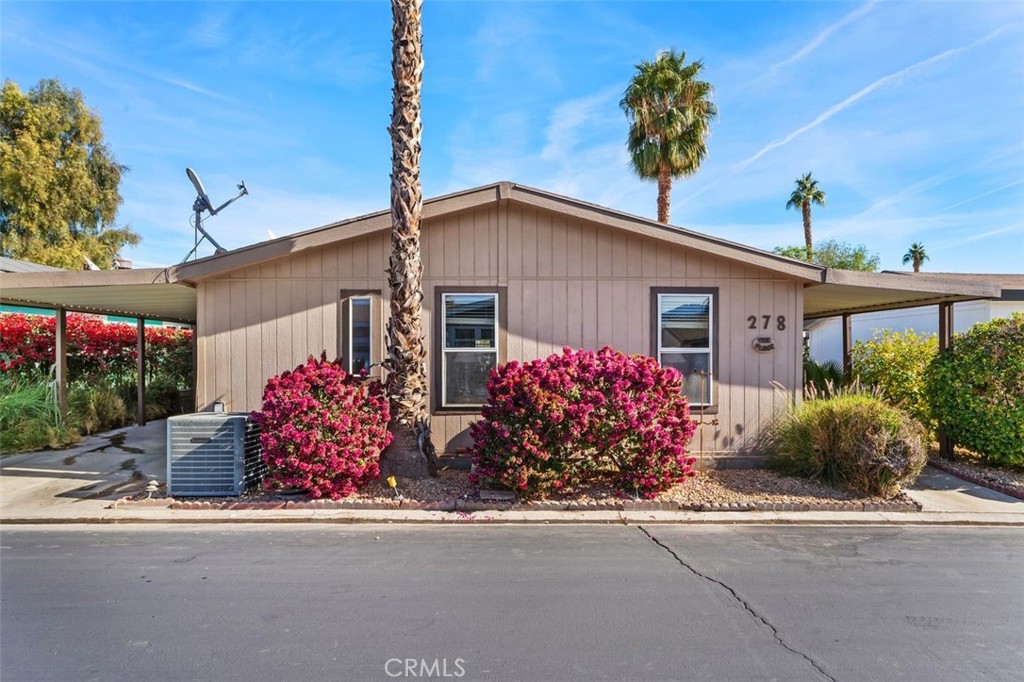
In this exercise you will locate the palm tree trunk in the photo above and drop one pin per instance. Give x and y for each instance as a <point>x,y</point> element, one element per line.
<point>410,453</point>
<point>806,209</point>
<point>917,264</point>
<point>664,194</point>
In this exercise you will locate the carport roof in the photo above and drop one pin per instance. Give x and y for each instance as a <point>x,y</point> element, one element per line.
<point>133,293</point>
<point>846,292</point>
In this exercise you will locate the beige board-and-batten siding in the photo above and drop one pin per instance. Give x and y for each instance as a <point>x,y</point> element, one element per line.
<point>566,282</point>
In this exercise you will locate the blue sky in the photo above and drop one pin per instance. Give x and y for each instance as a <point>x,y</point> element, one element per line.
<point>910,114</point>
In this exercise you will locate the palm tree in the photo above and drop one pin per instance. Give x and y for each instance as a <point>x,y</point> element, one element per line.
<point>916,255</point>
<point>806,193</point>
<point>411,452</point>
<point>670,113</point>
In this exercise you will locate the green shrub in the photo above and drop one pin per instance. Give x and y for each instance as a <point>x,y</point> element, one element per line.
<point>851,440</point>
<point>28,415</point>
<point>976,390</point>
<point>820,376</point>
<point>896,362</point>
<point>96,408</point>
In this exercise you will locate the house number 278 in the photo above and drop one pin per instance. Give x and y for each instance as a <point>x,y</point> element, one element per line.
<point>780,322</point>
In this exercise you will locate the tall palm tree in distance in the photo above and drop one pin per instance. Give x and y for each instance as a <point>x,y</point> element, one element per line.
<point>670,112</point>
<point>916,255</point>
<point>410,453</point>
<point>806,193</point>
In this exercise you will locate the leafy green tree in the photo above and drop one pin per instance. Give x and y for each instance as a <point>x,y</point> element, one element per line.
<point>835,254</point>
<point>896,362</point>
<point>670,112</point>
<point>915,255</point>
<point>806,193</point>
<point>60,181</point>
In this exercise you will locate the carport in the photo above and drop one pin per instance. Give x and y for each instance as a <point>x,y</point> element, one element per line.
<point>149,294</point>
<point>844,293</point>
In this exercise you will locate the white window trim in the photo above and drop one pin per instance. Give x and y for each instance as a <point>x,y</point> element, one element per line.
<point>694,351</point>
<point>349,341</point>
<point>445,350</point>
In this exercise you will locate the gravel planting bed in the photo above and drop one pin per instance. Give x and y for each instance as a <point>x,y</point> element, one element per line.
<point>969,466</point>
<point>712,490</point>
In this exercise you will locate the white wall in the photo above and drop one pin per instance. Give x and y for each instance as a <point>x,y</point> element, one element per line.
<point>826,336</point>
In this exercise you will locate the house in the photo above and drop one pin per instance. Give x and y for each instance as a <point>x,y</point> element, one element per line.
<point>510,273</point>
<point>825,336</point>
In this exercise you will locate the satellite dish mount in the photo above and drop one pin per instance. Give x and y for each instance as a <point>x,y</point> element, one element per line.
<point>203,203</point>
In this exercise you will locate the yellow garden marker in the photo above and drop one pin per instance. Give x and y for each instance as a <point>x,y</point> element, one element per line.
<point>393,484</point>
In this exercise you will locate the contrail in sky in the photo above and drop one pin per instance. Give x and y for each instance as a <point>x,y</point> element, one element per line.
<point>864,92</point>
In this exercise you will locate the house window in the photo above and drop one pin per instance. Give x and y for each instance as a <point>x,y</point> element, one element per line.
<point>469,347</point>
<point>360,338</point>
<point>685,340</point>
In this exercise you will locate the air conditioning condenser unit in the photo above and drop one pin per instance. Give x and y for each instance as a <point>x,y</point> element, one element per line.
<point>212,454</point>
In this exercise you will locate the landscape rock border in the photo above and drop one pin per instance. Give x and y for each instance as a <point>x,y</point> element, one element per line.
<point>476,505</point>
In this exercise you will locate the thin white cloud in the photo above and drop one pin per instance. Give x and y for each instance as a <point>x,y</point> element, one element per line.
<point>907,192</point>
<point>984,235</point>
<point>210,30</point>
<point>981,196</point>
<point>864,92</point>
<point>562,133</point>
<point>92,57</point>
<point>823,35</point>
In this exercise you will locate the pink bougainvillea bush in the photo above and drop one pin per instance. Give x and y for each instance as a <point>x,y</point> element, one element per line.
<point>322,430</point>
<point>563,420</point>
<point>98,351</point>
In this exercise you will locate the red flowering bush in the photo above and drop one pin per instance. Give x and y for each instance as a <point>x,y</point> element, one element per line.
<point>565,419</point>
<point>323,430</point>
<point>97,350</point>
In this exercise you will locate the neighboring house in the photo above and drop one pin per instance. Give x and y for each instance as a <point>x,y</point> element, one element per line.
<point>825,336</point>
<point>510,273</point>
<point>14,265</point>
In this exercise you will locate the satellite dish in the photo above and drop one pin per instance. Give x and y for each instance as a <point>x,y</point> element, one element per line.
<point>198,184</point>
<point>203,203</point>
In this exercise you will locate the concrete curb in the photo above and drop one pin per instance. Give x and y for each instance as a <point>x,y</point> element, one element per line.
<point>393,517</point>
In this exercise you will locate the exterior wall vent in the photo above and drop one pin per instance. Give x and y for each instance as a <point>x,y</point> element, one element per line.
<point>211,454</point>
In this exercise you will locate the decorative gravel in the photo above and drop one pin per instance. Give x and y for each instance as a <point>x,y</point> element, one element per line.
<point>731,489</point>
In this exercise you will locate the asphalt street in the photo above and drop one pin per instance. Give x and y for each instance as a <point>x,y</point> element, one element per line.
<point>546,603</point>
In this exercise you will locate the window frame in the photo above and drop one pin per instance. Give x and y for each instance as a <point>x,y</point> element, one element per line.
<point>376,329</point>
<point>438,398</point>
<point>711,407</point>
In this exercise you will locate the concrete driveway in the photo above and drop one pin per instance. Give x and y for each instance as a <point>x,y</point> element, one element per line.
<point>938,491</point>
<point>88,475</point>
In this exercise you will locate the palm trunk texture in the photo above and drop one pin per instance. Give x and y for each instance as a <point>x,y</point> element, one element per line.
<point>806,209</point>
<point>664,194</point>
<point>411,453</point>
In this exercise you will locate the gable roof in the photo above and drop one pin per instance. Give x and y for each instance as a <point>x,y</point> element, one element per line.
<point>169,293</point>
<point>483,196</point>
<point>14,265</point>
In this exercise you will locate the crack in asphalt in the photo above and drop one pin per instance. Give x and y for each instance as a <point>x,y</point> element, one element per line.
<point>741,601</point>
